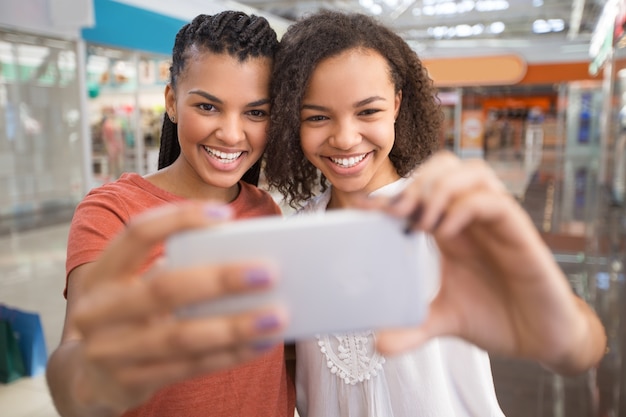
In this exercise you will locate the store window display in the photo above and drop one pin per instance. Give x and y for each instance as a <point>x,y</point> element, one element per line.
<point>40,181</point>
<point>126,103</point>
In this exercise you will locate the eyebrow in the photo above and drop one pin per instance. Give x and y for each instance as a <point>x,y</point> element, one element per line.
<point>211,97</point>
<point>356,105</point>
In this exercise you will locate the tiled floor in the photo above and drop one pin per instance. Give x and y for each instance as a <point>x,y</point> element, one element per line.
<point>32,277</point>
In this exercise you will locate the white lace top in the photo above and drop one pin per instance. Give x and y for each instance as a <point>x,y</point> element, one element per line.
<point>343,376</point>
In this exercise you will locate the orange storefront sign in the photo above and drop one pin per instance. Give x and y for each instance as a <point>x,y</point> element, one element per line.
<point>502,70</point>
<point>485,70</point>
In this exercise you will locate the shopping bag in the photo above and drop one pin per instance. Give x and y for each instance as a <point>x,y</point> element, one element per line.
<point>11,363</point>
<point>27,326</point>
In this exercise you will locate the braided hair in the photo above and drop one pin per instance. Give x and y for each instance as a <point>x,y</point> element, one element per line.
<point>236,33</point>
<point>327,34</point>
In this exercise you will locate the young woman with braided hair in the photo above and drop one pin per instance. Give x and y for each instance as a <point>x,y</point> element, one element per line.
<point>124,350</point>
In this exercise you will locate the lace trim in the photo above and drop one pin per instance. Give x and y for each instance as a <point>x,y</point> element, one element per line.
<point>355,359</point>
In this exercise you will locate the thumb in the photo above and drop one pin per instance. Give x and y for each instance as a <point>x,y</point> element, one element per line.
<point>395,341</point>
<point>127,252</point>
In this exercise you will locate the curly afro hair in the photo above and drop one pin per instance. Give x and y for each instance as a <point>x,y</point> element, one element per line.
<point>323,35</point>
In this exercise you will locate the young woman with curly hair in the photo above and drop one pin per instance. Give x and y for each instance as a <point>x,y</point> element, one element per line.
<point>355,123</point>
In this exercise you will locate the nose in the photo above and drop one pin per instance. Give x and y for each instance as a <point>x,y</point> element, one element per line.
<point>345,135</point>
<point>231,129</point>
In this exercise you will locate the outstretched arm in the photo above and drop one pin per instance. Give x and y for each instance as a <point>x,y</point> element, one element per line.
<point>122,340</point>
<point>501,288</point>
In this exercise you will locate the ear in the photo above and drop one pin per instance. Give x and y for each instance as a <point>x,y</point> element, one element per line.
<point>396,104</point>
<point>170,101</point>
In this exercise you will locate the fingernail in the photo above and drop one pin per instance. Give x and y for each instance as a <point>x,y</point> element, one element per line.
<point>438,222</point>
<point>257,278</point>
<point>414,217</point>
<point>217,212</point>
<point>267,322</point>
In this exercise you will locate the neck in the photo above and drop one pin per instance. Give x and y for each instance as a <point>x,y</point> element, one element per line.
<point>180,182</point>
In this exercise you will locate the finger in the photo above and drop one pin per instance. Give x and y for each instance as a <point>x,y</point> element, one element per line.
<point>154,375</point>
<point>409,203</point>
<point>395,341</point>
<point>458,181</point>
<point>128,251</point>
<point>168,290</point>
<point>172,339</point>
<point>478,206</point>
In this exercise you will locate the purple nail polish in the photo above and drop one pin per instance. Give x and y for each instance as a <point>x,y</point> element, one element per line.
<point>268,322</point>
<point>217,212</point>
<point>257,278</point>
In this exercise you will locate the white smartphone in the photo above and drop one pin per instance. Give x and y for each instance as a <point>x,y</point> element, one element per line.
<point>341,270</point>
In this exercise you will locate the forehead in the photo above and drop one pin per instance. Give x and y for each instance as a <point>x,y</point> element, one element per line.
<point>223,71</point>
<point>352,69</point>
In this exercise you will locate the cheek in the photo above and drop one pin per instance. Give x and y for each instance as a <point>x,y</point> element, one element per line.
<point>190,128</point>
<point>308,141</point>
<point>384,134</point>
<point>258,134</point>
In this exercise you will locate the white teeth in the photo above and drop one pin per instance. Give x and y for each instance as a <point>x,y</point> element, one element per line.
<point>225,157</point>
<point>348,162</point>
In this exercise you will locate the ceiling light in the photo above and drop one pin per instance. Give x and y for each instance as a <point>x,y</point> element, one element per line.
<point>438,32</point>
<point>391,3</point>
<point>376,9</point>
<point>491,5</point>
<point>541,26</point>
<point>550,25</point>
<point>478,29</point>
<point>556,25</point>
<point>446,8</point>
<point>463,31</point>
<point>497,27</point>
<point>465,6</point>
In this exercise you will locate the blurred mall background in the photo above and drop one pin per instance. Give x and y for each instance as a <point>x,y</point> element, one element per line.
<point>536,87</point>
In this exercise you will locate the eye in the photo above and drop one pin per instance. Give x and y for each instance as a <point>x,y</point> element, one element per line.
<point>369,112</point>
<point>316,118</point>
<point>258,114</point>
<point>206,107</point>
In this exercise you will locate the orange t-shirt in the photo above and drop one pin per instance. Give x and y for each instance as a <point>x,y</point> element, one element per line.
<point>258,388</point>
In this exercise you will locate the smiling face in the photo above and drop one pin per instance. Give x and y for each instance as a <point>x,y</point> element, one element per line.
<point>347,122</point>
<point>221,107</point>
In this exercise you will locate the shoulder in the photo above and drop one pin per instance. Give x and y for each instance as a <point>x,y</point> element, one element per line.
<point>120,200</point>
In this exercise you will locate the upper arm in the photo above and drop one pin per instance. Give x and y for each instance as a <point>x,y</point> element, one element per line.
<point>74,290</point>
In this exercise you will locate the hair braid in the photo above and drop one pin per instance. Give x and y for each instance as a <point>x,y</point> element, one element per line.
<point>170,148</point>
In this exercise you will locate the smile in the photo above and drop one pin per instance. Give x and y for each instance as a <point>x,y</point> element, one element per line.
<point>348,162</point>
<point>223,157</point>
